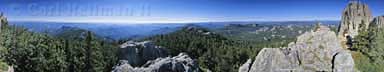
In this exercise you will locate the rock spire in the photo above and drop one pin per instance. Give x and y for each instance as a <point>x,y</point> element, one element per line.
<point>355,17</point>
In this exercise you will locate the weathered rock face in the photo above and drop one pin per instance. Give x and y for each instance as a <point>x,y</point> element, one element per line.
<point>3,21</point>
<point>274,60</point>
<point>147,57</point>
<point>137,53</point>
<point>378,22</point>
<point>355,17</point>
<point>343,62</point>
<point>318,50</point>
<point>180,63</point>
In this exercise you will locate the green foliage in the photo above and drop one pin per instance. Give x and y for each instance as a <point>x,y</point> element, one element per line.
<point>33,52</point>
<point>364,64</point>
<point>3,66</point>
<point>370,46</point>
<point>361,41</point>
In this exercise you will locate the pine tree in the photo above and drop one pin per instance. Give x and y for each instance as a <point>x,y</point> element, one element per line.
<point>88,40</point>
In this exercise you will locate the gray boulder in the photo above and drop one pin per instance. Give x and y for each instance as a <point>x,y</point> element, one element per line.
<point>343,62</point>
<point>137,53</point>
<point>180,63</point>
<point>317,50</point>
<point>274,60</point>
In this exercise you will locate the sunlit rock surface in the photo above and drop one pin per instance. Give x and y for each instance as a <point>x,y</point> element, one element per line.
<point>318,50</point>
<point>180,63</point>
<point>138,53</point>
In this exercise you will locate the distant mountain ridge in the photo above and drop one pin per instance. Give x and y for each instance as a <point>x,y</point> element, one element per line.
<point>113,31</point>
<point>129,31</point>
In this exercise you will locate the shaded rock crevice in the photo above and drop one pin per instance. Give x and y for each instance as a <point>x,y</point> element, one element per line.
<point>333,60</point>
<point>246,66</point>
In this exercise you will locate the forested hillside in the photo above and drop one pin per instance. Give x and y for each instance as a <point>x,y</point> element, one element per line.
<point>34,52</point>
<point>213,51</point>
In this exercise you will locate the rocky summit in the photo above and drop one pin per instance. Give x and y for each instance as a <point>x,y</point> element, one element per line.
<point>317,50</point>
<point>137,53</point>
<point>145,56</point>
<point>356,16</point>
<point>180,63</point>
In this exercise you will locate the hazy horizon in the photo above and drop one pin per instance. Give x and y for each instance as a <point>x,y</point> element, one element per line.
<point>177,11</point>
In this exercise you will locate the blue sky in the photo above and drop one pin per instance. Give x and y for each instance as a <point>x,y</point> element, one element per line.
<point>178,11</point>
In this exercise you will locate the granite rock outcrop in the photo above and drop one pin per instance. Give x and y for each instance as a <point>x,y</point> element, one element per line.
<point>138,53</point>
<point>180,63</point>
<point>318,50</point>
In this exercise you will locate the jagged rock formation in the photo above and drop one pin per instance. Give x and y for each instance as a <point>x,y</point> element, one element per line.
<point>318,50</point>
<point>137,53</point>
<point>147,57</point>
<point>180,63</point>
<point>3,21</point>
<point>378,22</point>
<point>355,17</point>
